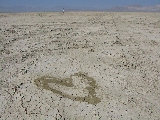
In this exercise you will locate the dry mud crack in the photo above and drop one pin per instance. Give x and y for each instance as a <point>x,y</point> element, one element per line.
<point>79,65</point>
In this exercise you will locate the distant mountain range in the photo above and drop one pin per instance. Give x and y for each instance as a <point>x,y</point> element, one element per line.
<point>136,8</point>
<point>132,8</point>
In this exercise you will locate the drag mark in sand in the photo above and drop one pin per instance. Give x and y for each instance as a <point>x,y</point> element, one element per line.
<point>88,83</point>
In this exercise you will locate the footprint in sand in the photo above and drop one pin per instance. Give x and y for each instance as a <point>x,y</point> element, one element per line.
<point>78,87</point>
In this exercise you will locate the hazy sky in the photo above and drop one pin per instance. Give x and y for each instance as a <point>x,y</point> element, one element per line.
<point>77,3</point>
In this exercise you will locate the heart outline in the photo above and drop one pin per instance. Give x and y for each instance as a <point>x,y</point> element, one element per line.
<point>44,81</point>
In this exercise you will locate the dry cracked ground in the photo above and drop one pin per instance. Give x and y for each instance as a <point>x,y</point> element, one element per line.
<point>80,66</point>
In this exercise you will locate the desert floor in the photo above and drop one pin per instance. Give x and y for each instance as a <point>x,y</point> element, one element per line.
<point>80,66</point>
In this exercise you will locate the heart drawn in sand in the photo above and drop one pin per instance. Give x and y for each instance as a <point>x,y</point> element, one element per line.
<point>78,87</point>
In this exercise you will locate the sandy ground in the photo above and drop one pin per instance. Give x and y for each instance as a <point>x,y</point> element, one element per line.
<point>80,66</point>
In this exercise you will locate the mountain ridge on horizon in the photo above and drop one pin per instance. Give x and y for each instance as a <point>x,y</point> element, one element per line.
<point>130,8</point>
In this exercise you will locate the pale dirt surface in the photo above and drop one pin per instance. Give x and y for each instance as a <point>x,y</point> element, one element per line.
<point>118,52</point>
